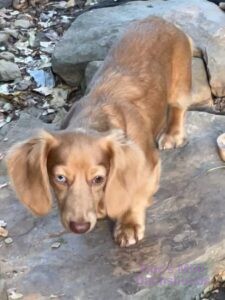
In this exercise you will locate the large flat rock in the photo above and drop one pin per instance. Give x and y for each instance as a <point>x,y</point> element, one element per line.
<point>184,241</point>
<point>5,3</point>
<point>201,93</point>
<point>93,32</point>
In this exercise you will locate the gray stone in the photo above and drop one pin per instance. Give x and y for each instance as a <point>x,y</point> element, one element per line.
<point>90,70</point>
<point>23,85</point>
<point>9,71</point>
<point>3,38</point>
<point>3,291</point>
<point>201,93</point>
<point>215,60</point>
<point>7,56</point>
<point>22,23</point>
<point>3,23</point>
<point>95,31</point>
<point>222,5</point>
<point>13,32</point>
<point>5,3</point>
<point>184,231</point>
<point>7,107</point>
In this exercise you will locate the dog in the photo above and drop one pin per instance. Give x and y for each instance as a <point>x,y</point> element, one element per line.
<point>104,161</point>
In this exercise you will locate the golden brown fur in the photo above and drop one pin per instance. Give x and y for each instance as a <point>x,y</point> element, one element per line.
<point>104,161</point>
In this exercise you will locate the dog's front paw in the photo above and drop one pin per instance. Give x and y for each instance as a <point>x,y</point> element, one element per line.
<point>171,141</point>
<point>128,234</point>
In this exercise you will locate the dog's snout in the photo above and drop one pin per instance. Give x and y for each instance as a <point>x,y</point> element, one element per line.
<point>78,227</point>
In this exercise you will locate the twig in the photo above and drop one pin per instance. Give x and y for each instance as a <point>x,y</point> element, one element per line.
<point>3,185</point>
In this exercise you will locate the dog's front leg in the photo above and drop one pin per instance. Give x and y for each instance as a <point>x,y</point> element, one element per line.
<point>130,228</point>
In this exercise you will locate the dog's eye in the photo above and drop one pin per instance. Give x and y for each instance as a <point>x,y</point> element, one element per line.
<point>60,179</point>
<point>98,180</point>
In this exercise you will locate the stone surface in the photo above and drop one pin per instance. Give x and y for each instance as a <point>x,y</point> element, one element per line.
<point>201,93</point>
<point>7,56</point>
<point>3,38</point>
<point>184,237</point>
<point>21,23</point>
<point>3,291</point>
<point>90,70</point>
<point>8,70</point>
<point>14,33</point>
<point>222,5</point>
<point>94,32</point>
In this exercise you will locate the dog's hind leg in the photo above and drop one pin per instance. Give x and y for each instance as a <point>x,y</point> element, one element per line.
<point>179,96</point>
<point>174,136</point>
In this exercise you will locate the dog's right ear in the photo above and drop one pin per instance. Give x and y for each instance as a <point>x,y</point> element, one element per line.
<point>27,167</point>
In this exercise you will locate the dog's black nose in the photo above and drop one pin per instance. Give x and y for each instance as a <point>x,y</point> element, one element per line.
<point>79,227</point>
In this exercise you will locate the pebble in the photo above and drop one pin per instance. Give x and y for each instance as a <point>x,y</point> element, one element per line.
<point>7,56</point>
<point>8,70</point>
<point>55,245</point>
<point>23,85</point>
<point>2,23</point>
<point>22,23</point>
<point>7,107</point>
<point>3,38</point>
<point>179,237</point>
<point>3,223</point>
<point>222,5</point>
<point>15,296</point>
<point>8,240</point>
<point>14,33</point>
<point>3,232</point>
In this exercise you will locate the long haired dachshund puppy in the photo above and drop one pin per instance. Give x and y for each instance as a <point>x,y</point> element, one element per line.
<point>104,161</point>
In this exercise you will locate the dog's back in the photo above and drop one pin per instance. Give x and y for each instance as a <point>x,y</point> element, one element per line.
<point>142,72</point>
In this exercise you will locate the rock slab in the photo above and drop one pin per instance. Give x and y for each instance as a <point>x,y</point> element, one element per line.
<point>92,34</point>
<point>9,71</point>
<point>3,291</point>
<point>5,3</point>
<point>185,235</point>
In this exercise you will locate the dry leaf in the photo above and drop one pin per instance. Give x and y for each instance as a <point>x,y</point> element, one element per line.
<point>3,185</point>
<point>221,146</point>
<point>71,3</point>
<point>59,96</point>
<point>3,232</point>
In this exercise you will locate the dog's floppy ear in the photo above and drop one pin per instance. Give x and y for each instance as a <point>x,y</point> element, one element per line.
<point>27,167</point>
<point>127,163</point>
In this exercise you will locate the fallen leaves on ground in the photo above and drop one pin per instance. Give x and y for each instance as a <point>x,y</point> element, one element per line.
<point>28,36</point>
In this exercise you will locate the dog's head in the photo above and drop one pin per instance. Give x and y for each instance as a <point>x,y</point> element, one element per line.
<point>91,177</point>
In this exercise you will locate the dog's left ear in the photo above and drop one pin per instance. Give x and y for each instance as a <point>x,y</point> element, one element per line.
<point>129,175</point>
<point>27,168</point>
